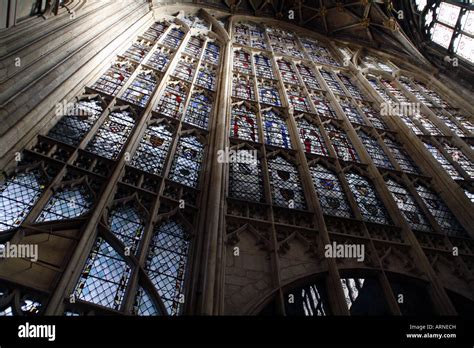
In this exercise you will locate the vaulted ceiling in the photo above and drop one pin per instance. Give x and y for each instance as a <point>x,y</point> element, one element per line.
<point>366,22</point>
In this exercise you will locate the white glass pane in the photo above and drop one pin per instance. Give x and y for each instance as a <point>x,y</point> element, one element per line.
<point>465,48</point>
<point>420,5</point>
<point>468,22</point>
<point>448,14</point>
<point>442,35</point>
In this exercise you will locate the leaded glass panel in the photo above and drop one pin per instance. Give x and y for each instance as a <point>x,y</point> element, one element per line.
<point>245,177</point>
<point>112,135</point>
<point>285,183</point>
<point>153,149</point>
<point>368,201</point>
<point>166,263</point>
<point>331,194</point>
<point>244,123</point>
<point>187,161</point>
<point>407,205</point>
<point>275,129</point>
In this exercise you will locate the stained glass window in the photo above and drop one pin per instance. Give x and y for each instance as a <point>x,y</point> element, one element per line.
<point>375,85</point>
<point>285,184</point>
<point>297,99</point>
<point>451,125</point>
<point>322,105</point>
<point>174,38</point>
<point>241,34</point>
<point>351,112</point>
<point>288,73</point>
<point>331,195</point>
<point>407,205</point>
<point>259,43</point>
<point>187,161</point>
<point>469,195</point>
<point>308,76</point>
<point>166,263</point>
<point>370,205</point>
<point>242,87</point>
<point>263,66</point>
<point>405,82</point>
<point>410,124</point>
<point>67,203</point>
<point>245,177</point>
<point>244,123</point>
<point>185,69</point>
<point>194,46</point>
<point>395,91</point>
<point>317,52</point>
<point>104,278</point>
<point>341,143</point>
<point>375,150</point>
<point>153,149</point>
<point>292,48</point>
<point>172,101</point>
<point>212,52</point>
<point>114,77</point>
<point>332,82</point>
<point>155,31</point>
<point>440,212</point>
<point>18,195</point>
<point>75,123</point>
<point>401,156</point>
<point>198,110</point>
<point>160,59</point>
<point>242,62</point>
<point>268,93</point>
<point>144,305</point>
<point>126,223</point>
<point>351,87</point>
<point>432,94</point>
<point>311,137</point>
<point>427,124</point>
<point>373,116</point>
<point>276,129</point>
<point>207,77</point>
<point>448,167</point>
<point>141,89</point>
<point>138,50</point>
<point>458,156</point>
<point>112,135</point>
<point>277,44</point>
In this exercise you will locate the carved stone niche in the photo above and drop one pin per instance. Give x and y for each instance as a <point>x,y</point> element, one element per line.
<point>451,272</point>
<point>247,209</point>
<point>293,217</point>
<point>398,258</point>
<point>432,240</point>
<point>357,252</point>
<point>248,267</point>
<point>344,226</point>
<point>386,233</point>
<point>298,253</point>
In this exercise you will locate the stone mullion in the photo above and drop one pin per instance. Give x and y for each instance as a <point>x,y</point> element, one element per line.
<point>67,283</point>
<point>450,159</point>
<point>129,297</point>
<point>444,112</point>
<point>438,123</point>
<point>274,240</point>
<point>442,301</point>
<point>209,244</point>
<point>458,203</point>
<point>384,196</point>
<point>338,303</point>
